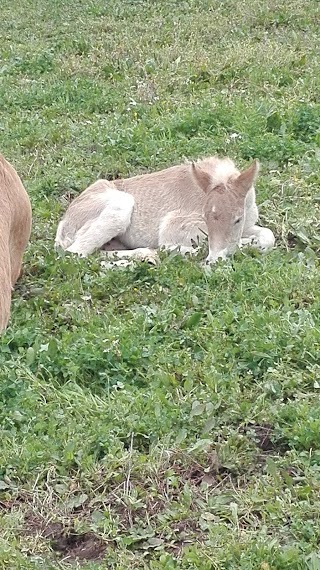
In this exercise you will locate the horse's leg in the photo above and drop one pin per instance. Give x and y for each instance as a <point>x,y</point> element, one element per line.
<point>139,253</point>
<point>259,237</point>
<point>181,231</point>
<point>113,220</point>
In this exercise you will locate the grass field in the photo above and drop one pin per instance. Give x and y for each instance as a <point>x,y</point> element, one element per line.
<point>162,417</point>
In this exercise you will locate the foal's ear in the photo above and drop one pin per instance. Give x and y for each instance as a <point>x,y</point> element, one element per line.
<point>203,179</point>
<point>247,178</point>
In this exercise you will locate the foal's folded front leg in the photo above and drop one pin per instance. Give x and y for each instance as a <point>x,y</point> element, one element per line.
<point>140,254</point>
<point>180,231</point>
<point>259,237</point>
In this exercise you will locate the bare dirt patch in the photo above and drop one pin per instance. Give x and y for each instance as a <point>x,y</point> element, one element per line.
<point>265,438</point>
<point>70,546</point>
<point>84,547</point>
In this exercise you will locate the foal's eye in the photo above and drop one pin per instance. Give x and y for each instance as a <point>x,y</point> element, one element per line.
<point>237,221</point>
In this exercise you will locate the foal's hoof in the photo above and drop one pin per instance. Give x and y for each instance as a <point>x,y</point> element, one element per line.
<point>264,241</point>
<point>148,256</point>
<point>116,263</point>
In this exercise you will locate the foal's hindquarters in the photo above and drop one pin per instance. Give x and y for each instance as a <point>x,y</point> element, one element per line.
<point>15,228</point>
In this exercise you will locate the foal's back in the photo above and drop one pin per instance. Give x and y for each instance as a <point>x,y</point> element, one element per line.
<point>172,189</point>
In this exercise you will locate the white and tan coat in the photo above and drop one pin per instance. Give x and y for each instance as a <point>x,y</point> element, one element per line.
<point>171,208</point>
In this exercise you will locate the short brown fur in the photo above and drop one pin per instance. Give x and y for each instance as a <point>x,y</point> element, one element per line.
<point>15,228</point>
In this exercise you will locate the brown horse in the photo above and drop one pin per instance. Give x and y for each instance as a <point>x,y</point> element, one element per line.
<point>15,228</point>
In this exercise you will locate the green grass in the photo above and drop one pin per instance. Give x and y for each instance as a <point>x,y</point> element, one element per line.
<point>162,417</point>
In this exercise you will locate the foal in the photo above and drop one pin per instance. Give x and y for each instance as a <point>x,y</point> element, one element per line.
<point>15,228</point>
<point>171,208</point>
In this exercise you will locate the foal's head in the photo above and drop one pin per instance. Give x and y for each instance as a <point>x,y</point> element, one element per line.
<point>224,209</point>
